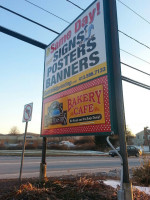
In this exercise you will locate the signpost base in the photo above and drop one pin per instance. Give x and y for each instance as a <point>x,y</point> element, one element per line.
<point>120,195</point>
<point>43,176</point>
<point>128,191</point>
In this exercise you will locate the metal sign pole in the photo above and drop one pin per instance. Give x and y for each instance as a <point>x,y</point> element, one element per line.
<point>22,157</point>
<point>121,191</point>
<point>116,70</point>
<point>43,165</point>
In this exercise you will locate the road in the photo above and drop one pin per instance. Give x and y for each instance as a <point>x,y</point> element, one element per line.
<point>60,165</point>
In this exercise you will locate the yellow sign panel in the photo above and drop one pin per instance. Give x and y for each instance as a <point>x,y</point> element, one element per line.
<point>87,75</point>
<point>80,108</point>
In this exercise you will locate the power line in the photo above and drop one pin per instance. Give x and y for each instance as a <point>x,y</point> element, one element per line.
<point>134,39</point>
<point>55,16</point>
<point>43,46</point>
<point>47,11</point>
<point>135,56</point>
<point>122,4</point>
<point>75,5</point>
<point>134,12</point>
<point>135,82</point>
<point>118,30</point>
<point>29,19</point>
<point>135,68</point>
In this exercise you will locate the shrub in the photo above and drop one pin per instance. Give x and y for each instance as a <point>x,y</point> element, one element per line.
<point>86,146</point>
<point>14,148</point>
<point>84,140</point>
<point>102,144</point>
<point>142,174</point>
<point>58,147</point>
<point>30,146</point>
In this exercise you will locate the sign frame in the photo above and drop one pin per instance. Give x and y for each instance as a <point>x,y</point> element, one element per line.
<point>111,89</point>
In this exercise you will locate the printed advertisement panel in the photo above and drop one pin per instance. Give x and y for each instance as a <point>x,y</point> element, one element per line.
<point>79,48</point>
<point>81,109</point>
<point>76,95</point>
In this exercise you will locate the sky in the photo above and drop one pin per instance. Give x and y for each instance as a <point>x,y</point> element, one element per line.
<point>22,64</point>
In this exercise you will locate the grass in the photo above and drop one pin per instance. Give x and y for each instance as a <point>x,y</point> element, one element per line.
<point>141,175</point>
<point>64,188</point>
<point>87,187</point>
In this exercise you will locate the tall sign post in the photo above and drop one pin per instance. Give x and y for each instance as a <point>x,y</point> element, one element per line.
<point>27,115</point>
<point>43,164</point>
<point>114,54</point>
<point>82,89</point>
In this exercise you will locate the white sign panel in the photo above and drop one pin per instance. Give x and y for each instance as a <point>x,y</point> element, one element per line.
<point>78,49</point>
<point>27,113</point>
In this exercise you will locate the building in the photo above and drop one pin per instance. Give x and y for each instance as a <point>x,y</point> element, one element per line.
<point>2,139</point>
<point>142,138</point>
<point>139,139</point>
<point>146,136</point>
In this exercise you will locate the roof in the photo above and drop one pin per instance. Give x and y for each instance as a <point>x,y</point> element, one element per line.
<point>140,133</point>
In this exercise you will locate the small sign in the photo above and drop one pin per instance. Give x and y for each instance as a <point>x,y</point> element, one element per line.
<point>27,113</point>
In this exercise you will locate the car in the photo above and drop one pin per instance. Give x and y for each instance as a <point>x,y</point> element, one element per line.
<point>132,151</point>
<point>52,143</point>
<point>67,143</point>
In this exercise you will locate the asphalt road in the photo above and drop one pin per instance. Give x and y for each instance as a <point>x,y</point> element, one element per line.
<point>61,165</point>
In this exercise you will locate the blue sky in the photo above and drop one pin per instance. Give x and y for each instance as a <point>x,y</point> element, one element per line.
<point>22,65</point>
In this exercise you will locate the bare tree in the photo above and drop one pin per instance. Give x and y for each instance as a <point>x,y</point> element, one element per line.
<point>129,136</point>
<point>14,130</point>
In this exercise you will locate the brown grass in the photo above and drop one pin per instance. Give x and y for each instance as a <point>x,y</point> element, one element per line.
<point>62,188</point>
<point>141,175</point>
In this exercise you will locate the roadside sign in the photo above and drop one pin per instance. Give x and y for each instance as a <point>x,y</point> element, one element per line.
<point>77,90</point>
<point>82,90</point>
<point>27,113</point>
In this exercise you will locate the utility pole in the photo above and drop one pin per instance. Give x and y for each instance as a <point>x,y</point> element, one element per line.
<point>22,156</point>
<point>114,52</point>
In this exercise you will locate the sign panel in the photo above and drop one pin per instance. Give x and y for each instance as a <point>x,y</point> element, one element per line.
<point>71,58</point>
<point>27,113</point>
<point>76,98</point>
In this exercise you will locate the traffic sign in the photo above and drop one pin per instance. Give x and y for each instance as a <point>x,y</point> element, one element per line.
<point>27,113</point>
